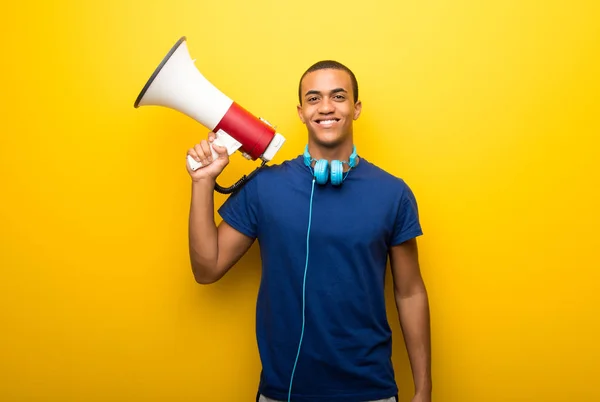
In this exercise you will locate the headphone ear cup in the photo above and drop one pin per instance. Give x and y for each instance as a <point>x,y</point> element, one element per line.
<point>322,171</point>
<point>337,172</point>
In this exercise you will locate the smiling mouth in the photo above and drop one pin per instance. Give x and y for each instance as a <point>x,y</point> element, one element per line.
<point>326,122</point>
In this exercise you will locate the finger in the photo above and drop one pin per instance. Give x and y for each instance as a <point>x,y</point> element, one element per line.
<point>207,151</point>
<point>192,152</point>
<point>219,149</point>
<point>200,152</point>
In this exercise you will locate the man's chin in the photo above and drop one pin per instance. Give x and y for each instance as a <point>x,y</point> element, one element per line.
<point>328,141</point>
<point>328,144</point>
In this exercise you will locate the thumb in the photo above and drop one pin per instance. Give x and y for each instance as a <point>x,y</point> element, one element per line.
<point>218,147</point>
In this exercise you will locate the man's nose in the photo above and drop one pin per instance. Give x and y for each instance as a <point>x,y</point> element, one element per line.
<point>326,106</point>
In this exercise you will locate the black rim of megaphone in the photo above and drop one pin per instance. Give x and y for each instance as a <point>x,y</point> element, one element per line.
<point>157,70</point>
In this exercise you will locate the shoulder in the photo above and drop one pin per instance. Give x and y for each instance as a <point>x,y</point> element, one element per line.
<point>265,179</point>
<point>402,203</point>
<point>279,171</point>
<point>285,166</point>
<point>382,179</point>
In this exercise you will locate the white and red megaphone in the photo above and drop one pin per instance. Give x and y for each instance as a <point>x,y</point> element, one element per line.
<point>177,84</point>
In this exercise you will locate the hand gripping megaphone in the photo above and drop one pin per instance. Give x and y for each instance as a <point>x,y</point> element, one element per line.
<point>177,84</point>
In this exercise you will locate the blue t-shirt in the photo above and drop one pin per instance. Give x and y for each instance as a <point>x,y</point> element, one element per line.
<point>346,346</point>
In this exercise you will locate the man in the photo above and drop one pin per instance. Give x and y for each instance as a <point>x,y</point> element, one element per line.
<point>325,231</point>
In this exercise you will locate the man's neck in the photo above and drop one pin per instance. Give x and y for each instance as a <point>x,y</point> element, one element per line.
<point>341,152</point>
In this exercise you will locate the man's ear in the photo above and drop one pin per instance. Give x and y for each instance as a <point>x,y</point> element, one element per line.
<point>299,108</point>
<point>357,109</point>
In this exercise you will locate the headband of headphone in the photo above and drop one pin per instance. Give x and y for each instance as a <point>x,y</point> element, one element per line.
<point>321,169</point>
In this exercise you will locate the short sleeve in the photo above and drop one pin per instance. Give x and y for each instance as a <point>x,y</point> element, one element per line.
<point>240,210</point>
<point>407,225</point>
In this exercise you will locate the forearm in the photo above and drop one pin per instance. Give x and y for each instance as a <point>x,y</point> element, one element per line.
<point>413,312</point>
<point>203,239</point>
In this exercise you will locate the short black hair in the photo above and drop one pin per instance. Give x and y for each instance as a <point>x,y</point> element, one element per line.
<point>329,64</point>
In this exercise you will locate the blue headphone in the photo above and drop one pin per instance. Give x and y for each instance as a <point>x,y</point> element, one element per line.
<point>321,169</point>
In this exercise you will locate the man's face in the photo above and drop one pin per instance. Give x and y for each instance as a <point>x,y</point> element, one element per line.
<point>328,109</point>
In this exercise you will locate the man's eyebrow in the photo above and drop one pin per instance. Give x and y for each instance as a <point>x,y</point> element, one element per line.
<point>333,91</point>
<point>338,90</point>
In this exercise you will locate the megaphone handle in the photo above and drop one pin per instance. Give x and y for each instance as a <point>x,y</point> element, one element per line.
<point>237,185</point>
<point>195,165</point>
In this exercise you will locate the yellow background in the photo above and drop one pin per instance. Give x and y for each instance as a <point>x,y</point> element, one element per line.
<point>489,110</point>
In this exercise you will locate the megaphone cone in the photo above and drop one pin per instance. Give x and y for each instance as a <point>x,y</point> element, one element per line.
<point>177,84</point>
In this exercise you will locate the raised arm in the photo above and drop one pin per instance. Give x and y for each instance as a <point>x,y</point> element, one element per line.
<point>213,251</point>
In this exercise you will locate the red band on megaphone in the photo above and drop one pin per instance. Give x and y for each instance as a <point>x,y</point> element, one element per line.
<point>254,135</point>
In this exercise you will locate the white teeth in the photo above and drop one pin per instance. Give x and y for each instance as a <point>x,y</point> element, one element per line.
<point>327,121</point>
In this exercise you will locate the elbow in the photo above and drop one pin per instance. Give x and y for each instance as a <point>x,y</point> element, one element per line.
<point>204,280</point>
<point>203,276</point>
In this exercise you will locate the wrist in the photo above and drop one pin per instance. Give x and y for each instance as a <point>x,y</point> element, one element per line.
<point>204,182</point>
<point>424,390</point>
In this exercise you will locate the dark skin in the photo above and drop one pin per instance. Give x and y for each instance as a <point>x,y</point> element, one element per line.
<point>412,305</point>
<point>328,110</point>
